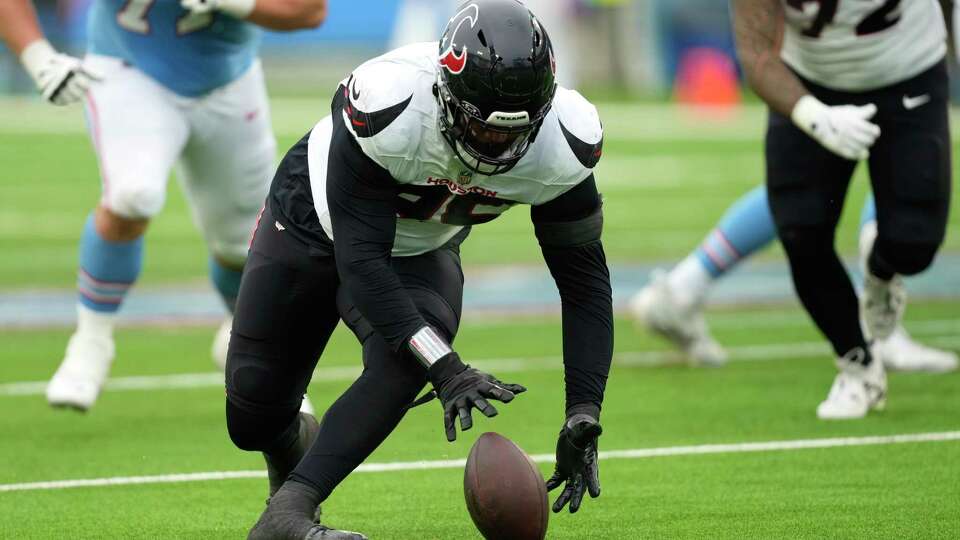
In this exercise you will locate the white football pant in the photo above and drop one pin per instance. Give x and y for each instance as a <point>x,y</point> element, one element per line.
<point>221,145</point>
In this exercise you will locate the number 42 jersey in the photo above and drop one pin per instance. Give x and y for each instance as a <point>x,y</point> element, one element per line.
<point>389,106</point>
<point>860,45</point>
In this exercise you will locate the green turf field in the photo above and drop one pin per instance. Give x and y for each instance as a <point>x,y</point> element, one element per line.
<point>906,490</point>
<point>666,179</point>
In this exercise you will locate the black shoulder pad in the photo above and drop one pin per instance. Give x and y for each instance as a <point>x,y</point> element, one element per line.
<point>588,154</point>
<point>368,124</point>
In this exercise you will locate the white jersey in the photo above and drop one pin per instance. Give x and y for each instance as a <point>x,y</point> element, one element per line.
<point>859,45</point>
<point>439,195</point>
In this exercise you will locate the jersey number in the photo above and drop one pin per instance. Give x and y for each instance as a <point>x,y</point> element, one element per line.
<point>875,22</point>
<point>133,17</point>
<point>424,202</point>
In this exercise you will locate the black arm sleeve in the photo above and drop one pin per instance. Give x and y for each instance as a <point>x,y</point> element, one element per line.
<point>361,197</point>
<point>568,229</point>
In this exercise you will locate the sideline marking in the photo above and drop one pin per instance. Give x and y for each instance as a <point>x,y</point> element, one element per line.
<point>744,353</point>
<point>636,453</point>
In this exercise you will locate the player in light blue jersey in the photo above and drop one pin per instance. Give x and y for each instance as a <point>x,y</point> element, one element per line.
<point>168,84</point>
<point>672,304</point>
<point>191,53</point>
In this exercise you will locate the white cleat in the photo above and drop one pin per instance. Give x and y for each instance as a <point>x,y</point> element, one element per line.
<point>882,305</point>
<point>856,390</point>
<point>81,375</point>
<point>900,352</point>
<point>656,308</point>
<point>221,343</point>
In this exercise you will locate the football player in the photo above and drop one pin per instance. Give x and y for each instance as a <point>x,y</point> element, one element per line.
<point>848,81</point>
<point>672,304</point>
<point>167,84</point>
<point>364,223</point>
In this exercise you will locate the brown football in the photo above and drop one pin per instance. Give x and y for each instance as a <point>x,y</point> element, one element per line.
<point>505,492</point>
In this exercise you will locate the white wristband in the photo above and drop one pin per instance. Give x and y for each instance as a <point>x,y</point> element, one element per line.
<point>806,112</point>
<point>238,9</point>
<point>36,56</point>
<point>428,347</point>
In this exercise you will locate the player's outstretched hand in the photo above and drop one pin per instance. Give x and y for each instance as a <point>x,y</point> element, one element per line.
<point>577,466</point>
<point>845,130</point>
<point>62,79</point>
<point>460,388</point>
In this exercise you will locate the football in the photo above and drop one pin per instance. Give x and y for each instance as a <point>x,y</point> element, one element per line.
<point>505,492</point>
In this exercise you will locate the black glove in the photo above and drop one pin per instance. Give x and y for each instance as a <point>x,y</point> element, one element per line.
<point>460,387</point>
<point>576,461</point>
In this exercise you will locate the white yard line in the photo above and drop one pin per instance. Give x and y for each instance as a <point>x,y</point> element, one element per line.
<point>744,353</point>
<point>635,453</point>
<point>792,319</point>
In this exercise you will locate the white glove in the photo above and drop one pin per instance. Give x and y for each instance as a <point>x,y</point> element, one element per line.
<point>845,130</point>
<point>61,78</point>
<point>238,9</point>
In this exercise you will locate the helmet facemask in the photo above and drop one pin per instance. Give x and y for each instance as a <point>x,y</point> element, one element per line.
<point>491,145</point>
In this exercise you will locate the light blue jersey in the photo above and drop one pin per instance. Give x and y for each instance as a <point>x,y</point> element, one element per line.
<point>189,54</point>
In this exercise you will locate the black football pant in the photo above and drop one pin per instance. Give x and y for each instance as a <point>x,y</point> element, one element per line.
<point>910,175</point>
<point>287,308</point>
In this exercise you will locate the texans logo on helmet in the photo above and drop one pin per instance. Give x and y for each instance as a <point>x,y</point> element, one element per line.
<point>448,58</point>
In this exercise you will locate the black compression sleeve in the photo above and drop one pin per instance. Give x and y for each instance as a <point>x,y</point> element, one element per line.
<point>361,197</point>
<point>568,229</point>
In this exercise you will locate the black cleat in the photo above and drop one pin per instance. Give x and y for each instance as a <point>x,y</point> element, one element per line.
<point>290,516</point>
<point>281,464</point>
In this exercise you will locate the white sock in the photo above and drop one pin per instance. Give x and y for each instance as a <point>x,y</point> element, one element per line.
<point>689,281</point>
<point>95,323</point>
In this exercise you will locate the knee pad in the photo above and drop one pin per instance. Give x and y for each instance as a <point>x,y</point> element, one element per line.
<point>259,381</point>
<point>135,200</point>
<point>252,431</point>
<point>906,258</point>
<point>435,310</point>
<point>259,406</point>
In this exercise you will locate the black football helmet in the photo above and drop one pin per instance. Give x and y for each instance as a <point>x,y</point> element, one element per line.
<point>495,83</point>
